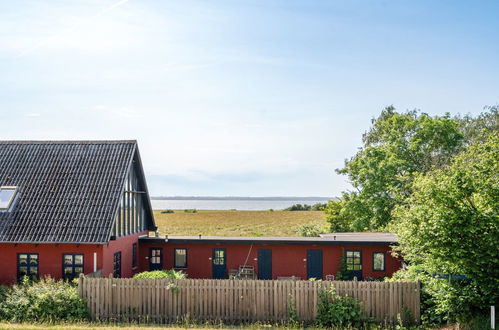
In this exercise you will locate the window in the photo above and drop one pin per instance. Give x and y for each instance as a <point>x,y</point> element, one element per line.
<point>7,196</point>
<point>72,266</point>
<point>117,265</point>
<point>180,258</point>
<point>134,255</point>
<point>155,259</point>
<point>379,261</point>
<point>219,257</point>
<point>27,265</point>
<point>354,261</point>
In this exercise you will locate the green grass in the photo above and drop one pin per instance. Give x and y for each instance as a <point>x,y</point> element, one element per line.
<point>127,326</point>
<point>236,223</point>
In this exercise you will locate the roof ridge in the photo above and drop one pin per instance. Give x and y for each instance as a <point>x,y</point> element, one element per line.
<point>68,141</point>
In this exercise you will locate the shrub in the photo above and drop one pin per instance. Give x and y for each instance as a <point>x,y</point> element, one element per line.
<point>342,274</point>
<point>310,230</point>
<point>171,274</point>
<point>319,206</point>
<point>44,301</point>
<point>167,211</point>
<point>299,207</point>
<point>190,211</point>
<point>334,310</point>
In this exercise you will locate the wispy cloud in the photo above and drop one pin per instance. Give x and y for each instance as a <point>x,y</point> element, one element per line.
<point>42,42</point>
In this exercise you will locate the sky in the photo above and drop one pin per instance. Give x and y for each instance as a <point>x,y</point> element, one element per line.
<point>239,98</point>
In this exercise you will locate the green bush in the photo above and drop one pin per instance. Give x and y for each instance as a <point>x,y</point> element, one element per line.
<point>299,207</point>
<point>44,301</point>
<point>167,211</point>
<point>190,211</point>
<point>3,292</point>
<point>319,206</point>
<point>310,230</point>
<point>162,274</point>
<point>334,310</point>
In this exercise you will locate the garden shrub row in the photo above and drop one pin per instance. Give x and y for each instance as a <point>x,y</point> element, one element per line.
<point>46,301</point>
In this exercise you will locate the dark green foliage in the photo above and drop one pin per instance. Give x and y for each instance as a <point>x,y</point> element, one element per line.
<point>190,211</point>
<point>167,211</point>
<point>342,274</point>
<point>334,310</point>
<point>299,207</point>
<point>293,319</point>
<point>171,274</point>
<point>3,292</point>
<point>450,225</point>
<point>319,206</point>
<point>397,146</point>
<point>43,301</point>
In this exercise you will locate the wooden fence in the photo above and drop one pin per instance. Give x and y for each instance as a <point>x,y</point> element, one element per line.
<point>162,301</point>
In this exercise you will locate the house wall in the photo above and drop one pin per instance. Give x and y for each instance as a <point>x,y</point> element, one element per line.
<point>49,258</point>
<point>124,245</point>
<point>287,259</point>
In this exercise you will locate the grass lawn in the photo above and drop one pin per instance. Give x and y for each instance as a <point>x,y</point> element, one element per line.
<point>236,223</point>
<point>125,326</point>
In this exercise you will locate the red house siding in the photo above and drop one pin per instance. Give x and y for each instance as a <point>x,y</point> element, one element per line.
<point>287,259</point>
<point>49,258</point>
<point>123,245</point>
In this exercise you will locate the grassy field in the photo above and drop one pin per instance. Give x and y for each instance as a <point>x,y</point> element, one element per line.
<point>236,223</point>
<point>124,326</point>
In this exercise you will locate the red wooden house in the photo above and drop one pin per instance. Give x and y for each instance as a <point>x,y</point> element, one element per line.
<point>71,207</point>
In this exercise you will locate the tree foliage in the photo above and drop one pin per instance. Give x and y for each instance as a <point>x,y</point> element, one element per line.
<point>450,225</point>
<point>395,149</point>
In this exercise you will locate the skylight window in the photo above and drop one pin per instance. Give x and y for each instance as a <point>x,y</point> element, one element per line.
<point>7,196</point>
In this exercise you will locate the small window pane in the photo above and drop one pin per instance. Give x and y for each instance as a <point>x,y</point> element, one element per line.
<point>23,259</point>
<point>78,259</point>
<point>33,270</point>
<point>180,258</point>
<point>23,270</point>
<point>379,261</point>
<point>68,271</point>
<point>68,259</point>
<point>78,271</point>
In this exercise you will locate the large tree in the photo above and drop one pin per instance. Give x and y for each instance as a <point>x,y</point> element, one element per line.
<point>450,225</point>
<point>395,149</point>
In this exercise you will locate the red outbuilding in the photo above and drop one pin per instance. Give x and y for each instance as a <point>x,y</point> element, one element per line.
<point>73,207</point>
<point>366,255</point>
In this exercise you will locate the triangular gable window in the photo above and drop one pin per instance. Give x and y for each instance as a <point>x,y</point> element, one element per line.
<point>7,197</point>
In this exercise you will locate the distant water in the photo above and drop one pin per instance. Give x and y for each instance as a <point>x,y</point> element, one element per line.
<point>225,204</point>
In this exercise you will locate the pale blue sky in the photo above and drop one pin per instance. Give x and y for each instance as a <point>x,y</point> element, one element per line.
<point>252,98</point>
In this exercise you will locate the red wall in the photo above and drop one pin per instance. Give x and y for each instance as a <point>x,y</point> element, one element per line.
<point>287,260</point>
<point>49,258</point>
<point>123,244</point>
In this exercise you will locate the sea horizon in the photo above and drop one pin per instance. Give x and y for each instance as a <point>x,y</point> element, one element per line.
<point>232,202</point>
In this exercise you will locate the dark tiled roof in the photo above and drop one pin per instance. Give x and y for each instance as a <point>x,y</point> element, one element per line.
<point>69,191</point>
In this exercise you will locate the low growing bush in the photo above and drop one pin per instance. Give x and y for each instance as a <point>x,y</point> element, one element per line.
<point>334,310</point>
<point>167,211</point>
<point>44,301</point>
<point>190,211</point>
<point>299,207</point>
<point>310,230</point>
<point>171,274</point>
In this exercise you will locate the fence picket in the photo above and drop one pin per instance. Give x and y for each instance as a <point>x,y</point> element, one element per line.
<point>163,301</point>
